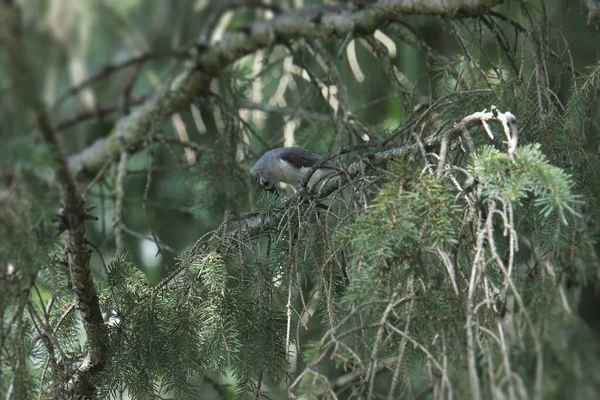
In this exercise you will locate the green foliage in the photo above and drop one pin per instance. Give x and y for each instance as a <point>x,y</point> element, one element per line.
<point>269,204</point>
<point>541,194</point>
<point>29,236</point>
<point>225,187</point>
<point>411,231</point>
<point>528,174</point>
<point>209,322</point>
<point>581,103</point>
<point>403,278</point>
<point>409,215</point>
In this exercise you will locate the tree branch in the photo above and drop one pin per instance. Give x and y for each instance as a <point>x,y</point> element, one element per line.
<point>310,22</point>
<point>78,257</point>
<point>73,216</point>
<point>256,225</point>
<point>96,114</point>
<point>111,69</point>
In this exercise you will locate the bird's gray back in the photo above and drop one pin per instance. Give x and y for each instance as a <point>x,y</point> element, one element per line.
<point>301,157</point>
<point>289,164</point>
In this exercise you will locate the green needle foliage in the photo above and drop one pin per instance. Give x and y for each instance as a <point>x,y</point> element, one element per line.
<point>455,256</point>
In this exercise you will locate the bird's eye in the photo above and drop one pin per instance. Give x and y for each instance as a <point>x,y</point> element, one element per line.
<point>266,184</point>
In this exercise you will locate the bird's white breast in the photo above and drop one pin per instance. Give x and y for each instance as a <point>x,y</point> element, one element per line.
<point>294,176</point>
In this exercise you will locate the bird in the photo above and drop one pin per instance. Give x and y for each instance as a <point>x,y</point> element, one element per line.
<point>290,165</point>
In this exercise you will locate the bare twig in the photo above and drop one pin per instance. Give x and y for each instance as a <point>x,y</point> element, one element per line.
<point>111,69</point>
<point>98,114</point>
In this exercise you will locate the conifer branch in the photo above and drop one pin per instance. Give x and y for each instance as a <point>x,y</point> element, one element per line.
<point>310,22</point>
<point>254,226</point>
<point>73,216</point>
<point>413,267</point>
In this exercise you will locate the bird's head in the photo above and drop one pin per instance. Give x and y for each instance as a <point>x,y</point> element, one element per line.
<point>263,180</point>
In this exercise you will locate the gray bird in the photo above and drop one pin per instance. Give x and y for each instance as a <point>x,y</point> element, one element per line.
<point>289,165</point>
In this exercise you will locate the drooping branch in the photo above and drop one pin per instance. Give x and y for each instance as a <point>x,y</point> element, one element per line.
<point>310,22</point>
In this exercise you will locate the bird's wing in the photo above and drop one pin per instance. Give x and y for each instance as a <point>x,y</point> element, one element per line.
<point>305,158</point>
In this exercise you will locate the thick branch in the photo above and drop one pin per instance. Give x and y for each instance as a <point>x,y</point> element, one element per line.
<point>73,217</point>
<point>315,21</point>
<point>78,257</point>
